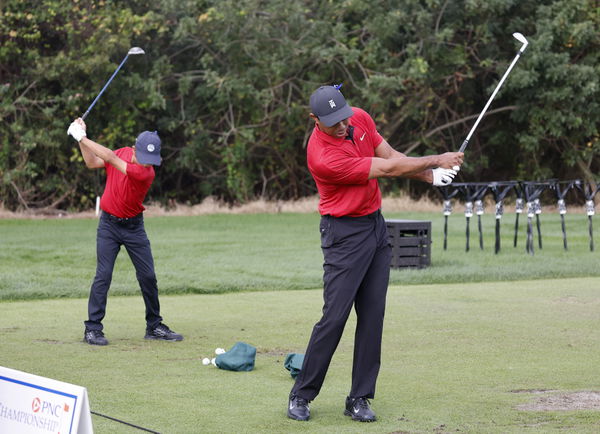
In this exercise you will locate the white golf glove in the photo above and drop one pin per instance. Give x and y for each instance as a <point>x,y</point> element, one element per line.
<point>442,176</point>
<point>76,131</point>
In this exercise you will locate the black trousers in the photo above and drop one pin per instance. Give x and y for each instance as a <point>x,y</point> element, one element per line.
<point>112,234</point>
<point>357,255</point>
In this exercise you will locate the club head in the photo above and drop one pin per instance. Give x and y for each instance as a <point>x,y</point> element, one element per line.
<point>519,37</point>
<point>138,50</point>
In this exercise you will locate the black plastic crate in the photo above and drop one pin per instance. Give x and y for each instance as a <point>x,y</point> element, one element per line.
<point>411,243</point>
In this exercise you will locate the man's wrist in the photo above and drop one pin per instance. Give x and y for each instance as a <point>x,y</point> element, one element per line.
<point>428,175</point>
<point>435,162</point>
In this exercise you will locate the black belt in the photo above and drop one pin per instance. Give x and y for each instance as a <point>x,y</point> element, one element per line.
<point>123,220</point>
<point>373,215</point>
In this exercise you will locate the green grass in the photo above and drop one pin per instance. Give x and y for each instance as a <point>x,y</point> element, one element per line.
<point>453,357</point>
<point>460,336</point>
<point>222,253</point>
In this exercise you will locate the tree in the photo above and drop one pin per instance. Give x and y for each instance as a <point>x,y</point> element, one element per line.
<point>226,84</point>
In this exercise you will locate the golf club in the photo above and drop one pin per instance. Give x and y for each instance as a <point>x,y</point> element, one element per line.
<point>132,51</point>
<point>519,37</point>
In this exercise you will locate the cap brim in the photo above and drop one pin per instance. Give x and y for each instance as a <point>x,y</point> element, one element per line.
<point>337,116</point>
<point>142,158</point>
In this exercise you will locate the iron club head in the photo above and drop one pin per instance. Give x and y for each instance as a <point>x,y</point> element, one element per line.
<point>138,50</point>
<point>519,37</point>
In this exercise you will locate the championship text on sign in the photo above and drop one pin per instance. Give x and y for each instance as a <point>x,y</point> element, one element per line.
<point>33,404</point>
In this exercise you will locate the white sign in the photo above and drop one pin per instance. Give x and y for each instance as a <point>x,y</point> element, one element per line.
<point>33,404</point>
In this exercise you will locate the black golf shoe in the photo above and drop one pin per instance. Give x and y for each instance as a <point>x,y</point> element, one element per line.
<point>94,337</point>
<point>163,333</point>
<point>298,408</point>
<point>359,409</point>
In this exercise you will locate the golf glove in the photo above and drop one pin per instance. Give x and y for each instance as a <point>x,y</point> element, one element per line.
<point>76,131</point>
<point>442,176</point>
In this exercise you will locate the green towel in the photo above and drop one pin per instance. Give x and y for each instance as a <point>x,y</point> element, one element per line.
<point>239,358</point>
<point>293,363</point>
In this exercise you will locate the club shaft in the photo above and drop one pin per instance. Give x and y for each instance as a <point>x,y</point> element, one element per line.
<point>529,243</point>
<point>466,142</point>
<point>539,230</point>
<point>516,230</point>
<point>104,88</point>
<point>468,234</point>
<point>591,231</point>
<point>445,232</point>
<point>480,232</point>
<point>497,244</point>
<point>564,230</point>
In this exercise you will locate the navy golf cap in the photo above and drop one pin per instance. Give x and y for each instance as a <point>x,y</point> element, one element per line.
<point>329,105</point>
<point>147,148</point>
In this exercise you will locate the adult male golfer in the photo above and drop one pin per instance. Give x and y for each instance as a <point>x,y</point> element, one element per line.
<point>129,174</point>
<point>345,156</point>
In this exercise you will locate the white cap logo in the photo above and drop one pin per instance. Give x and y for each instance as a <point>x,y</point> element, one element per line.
<point>332,103</point>
<point>150,148</point>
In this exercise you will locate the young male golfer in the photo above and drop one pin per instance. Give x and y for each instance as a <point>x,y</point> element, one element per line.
<point>129,174</point>
<point>345,156</point>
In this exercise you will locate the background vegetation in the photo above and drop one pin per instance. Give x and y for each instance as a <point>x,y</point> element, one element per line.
<point>226,84</point>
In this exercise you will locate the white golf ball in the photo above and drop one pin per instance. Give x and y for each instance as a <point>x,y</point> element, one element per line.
<point>220,351</point>
<point>206,361</point>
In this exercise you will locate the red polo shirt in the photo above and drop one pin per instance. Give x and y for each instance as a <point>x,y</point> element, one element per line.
<point>340,168</point>
<point>124,194</point>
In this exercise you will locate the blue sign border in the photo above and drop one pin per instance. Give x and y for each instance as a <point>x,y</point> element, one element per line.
<point>45,389</point>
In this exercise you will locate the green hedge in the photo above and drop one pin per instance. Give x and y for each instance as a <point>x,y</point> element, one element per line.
<point>226,84</point>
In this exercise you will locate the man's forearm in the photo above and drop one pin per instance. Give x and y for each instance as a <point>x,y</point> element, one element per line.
<point>104,153</point>
<point>409,167</point>
<point>91,160</point>
<point>97,149</point>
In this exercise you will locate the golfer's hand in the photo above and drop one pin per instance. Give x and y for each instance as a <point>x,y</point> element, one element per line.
<point>82,123</point>
<point>76,130</point>
<point>451,160</point>
<point>442,176</point>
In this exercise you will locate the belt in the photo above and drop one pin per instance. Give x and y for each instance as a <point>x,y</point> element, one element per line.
<point>373,215</point>
<point>122,220</point>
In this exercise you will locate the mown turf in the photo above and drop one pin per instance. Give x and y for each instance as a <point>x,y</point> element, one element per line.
<point>456,358</point>
<point>463,338</point>
<point>221,253</point>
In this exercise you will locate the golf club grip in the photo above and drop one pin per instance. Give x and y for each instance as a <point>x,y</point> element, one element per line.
<point>463,146</point>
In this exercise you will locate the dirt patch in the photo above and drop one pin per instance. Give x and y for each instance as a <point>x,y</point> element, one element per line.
<point>583,400</point>
<point>51,341</point>
<point>533,391</point>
